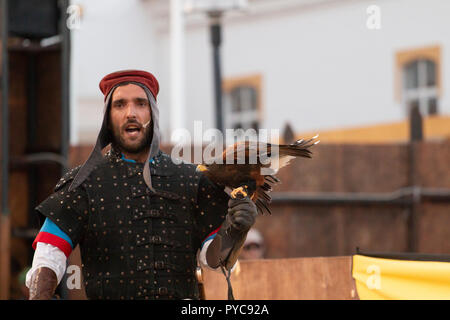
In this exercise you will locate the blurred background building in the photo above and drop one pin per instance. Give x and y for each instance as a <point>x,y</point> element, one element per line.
<point>370,76</point>
<point>329,66</point>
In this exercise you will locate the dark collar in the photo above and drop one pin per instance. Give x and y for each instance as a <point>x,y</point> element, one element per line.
<point>161,166</point>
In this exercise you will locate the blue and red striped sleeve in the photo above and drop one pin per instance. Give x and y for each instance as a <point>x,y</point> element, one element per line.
<point>210,237</point>
<point>50,233</point>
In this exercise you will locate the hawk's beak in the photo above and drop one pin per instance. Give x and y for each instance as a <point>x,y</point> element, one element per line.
<point>201,168</point>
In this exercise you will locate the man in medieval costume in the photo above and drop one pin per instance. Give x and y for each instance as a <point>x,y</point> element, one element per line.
<point>141,220</point>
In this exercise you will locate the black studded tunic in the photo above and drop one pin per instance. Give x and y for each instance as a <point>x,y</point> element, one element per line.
<point>136,244</point>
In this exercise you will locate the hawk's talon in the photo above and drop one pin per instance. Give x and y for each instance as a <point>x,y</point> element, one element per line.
<point>240,190</point>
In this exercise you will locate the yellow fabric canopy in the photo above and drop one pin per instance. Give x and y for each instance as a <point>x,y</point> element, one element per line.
<point>379,278</point>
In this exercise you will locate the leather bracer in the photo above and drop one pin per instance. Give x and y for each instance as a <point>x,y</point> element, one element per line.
<point>225,248</point>
<point>43,284</point>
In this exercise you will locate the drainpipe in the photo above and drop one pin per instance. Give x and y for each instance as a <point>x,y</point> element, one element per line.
<point>416,136</point>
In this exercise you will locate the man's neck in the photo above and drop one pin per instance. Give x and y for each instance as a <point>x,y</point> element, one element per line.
<point>138,157</point>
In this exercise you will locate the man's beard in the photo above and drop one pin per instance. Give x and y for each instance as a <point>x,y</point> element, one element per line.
<point>123,146</point>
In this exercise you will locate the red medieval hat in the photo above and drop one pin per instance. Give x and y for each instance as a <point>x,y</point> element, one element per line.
<point>146,78</point>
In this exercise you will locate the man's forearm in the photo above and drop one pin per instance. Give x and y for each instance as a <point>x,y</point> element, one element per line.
<point>224,250</point>
<point>49,264</point>
<point>227,244</point>
<point>43,284</point>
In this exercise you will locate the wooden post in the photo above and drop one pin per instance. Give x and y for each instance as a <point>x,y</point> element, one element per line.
<point>5,261</point>
<point>5,231</point>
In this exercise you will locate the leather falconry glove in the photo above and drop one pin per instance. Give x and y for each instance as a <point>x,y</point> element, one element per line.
<point>43,284</point>
<point>227,244</point>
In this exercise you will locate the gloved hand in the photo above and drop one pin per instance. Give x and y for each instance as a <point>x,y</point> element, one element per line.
<point>241,215</point>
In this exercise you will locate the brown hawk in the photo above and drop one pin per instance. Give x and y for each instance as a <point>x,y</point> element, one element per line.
<point>248,167</point>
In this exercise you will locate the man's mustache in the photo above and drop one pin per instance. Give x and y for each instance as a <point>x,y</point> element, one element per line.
<point>135,122</point>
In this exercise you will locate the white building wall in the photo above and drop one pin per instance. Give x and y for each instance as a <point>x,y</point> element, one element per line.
<point>322,68</point>
<point>113,35</point>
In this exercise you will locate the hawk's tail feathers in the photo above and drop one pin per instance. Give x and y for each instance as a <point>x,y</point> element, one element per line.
<point>272,179</point>
<point>262,204</point>
<point>299,148</point>
<point>262,197</point>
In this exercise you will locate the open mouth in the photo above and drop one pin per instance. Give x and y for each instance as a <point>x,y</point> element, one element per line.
<point>133,129</point>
